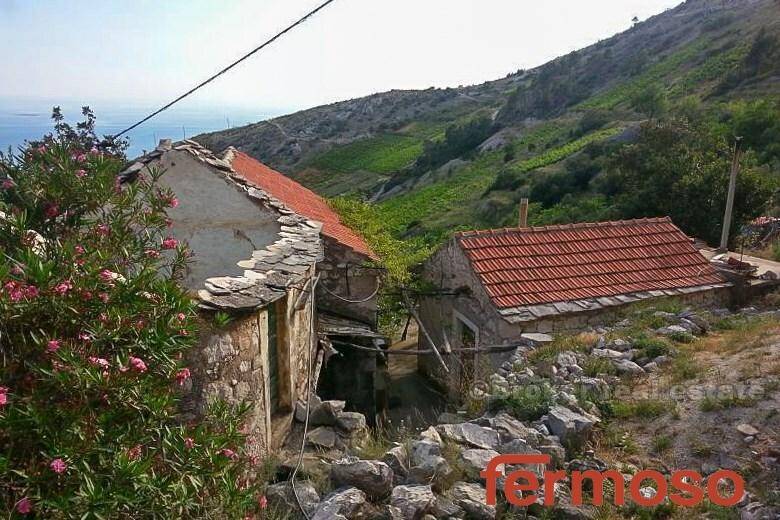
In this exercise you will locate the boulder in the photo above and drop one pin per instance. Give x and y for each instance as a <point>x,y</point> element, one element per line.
<point>671,330</point>
<point>432,435</point>
<point>569,426</point>
<point>566,359</point>
<point>434,471</point>
<point>343,503</point>
<point>608,353</point>
<point>472,498</point>
<point>351,422</point>
<point>474,461</point>
<point>423,450</point>
<point>620,345</point>
<point>446,508</point>
<point>470,434</point>
<point>300,407</point>
<point>373,477</point>
<point>282,496</point>
<point>322,437</point>
<point>624,366</point>
<point>413,501</point>
<point>326,414</point>
<point>747,429</point>
<point>398,460</point>
<point>510,428</point>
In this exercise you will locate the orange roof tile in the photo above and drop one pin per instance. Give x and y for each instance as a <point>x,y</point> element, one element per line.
<point>300,200</point>
<point>530,266</point>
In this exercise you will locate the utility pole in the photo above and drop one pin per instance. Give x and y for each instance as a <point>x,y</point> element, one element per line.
<point>724,237</point>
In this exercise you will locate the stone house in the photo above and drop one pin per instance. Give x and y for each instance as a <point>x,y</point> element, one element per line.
<point>500,287</point>
<point>268,254</point>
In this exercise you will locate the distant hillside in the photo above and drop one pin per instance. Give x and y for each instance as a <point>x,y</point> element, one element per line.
<point>444,159</point>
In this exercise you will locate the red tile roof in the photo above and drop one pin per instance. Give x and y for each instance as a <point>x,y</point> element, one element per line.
<point>529,266</point>
<point>299,199</point>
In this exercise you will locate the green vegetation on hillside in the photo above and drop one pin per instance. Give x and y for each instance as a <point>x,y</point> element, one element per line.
<point>385,153</point>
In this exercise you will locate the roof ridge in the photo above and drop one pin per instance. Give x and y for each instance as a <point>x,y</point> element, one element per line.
<point>562,227</point>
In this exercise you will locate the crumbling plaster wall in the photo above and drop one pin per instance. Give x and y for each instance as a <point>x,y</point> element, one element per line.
<point>215,217</point>
<point>231,364</point>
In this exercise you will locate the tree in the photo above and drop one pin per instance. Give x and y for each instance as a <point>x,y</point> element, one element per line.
<point>682,171</point>
<point>93,327</point>
<point>649,100</point>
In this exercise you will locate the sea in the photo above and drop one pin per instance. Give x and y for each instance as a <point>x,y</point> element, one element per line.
<point>25,120</point>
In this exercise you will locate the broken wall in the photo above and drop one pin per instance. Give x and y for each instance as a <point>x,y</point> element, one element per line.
<point>232,364</point>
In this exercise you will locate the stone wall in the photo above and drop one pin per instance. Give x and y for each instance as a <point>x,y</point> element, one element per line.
<point>341,273</point>
<point>231,364</point>
<point>443,316</point>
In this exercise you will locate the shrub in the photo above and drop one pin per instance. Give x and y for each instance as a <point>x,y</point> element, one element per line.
<point>595,366</point>
<point>94,325</point>
<point>651,347</point>
<point>528,403</point>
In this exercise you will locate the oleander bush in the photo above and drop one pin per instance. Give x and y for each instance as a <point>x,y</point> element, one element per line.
<point>93,327</point>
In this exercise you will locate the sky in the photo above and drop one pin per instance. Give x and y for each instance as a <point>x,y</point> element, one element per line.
<point>147,52</point>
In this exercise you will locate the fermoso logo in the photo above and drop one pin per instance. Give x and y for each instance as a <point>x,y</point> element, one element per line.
<point>684,488</point>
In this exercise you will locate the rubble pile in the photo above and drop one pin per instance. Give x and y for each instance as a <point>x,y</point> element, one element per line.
<point>436,473</point>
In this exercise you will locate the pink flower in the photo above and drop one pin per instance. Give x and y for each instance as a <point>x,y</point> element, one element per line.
<point>107,276</point>
<point>184,332</point>
<point>79,249</point>
<point>86,295</point>
<point>31,292</point>
<point>170,243</point>
<point>181,316</point>
<point>17,270</point>
<point>85,337</point>
<point>262,502</point>
<point>79,157</point>
<point>24,506</point>
<point>182,376</point>
<point>53,345</point>
<point>41,148</point>
<point>227,452</point>
<point>58,466</point>
<point>62,288</point>
<point>152,253</point>
<point>51,210</point>
<point>174,202</point>
<point>103,297</point>
<point>3,396</point>
<point>137,364</point>
<point>81,173</point>
<point>134,453</point>
<point>189,442</point>
<point>103,230</point>
<point>8,184</point>
<point>98,362</point>
<point>94,151</point>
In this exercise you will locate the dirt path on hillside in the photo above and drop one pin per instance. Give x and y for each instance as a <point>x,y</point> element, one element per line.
<point>414,403</point>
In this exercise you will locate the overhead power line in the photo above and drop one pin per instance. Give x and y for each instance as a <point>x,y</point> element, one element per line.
<point>221,72</point>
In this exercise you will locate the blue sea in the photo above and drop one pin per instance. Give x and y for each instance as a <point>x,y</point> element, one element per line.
<point>29,120</point>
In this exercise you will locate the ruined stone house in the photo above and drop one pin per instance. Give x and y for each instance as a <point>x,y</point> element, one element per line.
<point>273,258</point>
<point>497,287</point>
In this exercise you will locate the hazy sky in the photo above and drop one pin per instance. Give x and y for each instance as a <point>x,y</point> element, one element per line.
<point>150,51</point>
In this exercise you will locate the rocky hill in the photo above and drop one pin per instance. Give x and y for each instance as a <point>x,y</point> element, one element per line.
<point>439,159</point>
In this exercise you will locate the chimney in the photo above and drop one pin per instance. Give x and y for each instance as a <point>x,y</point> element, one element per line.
<point>523,213</point>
